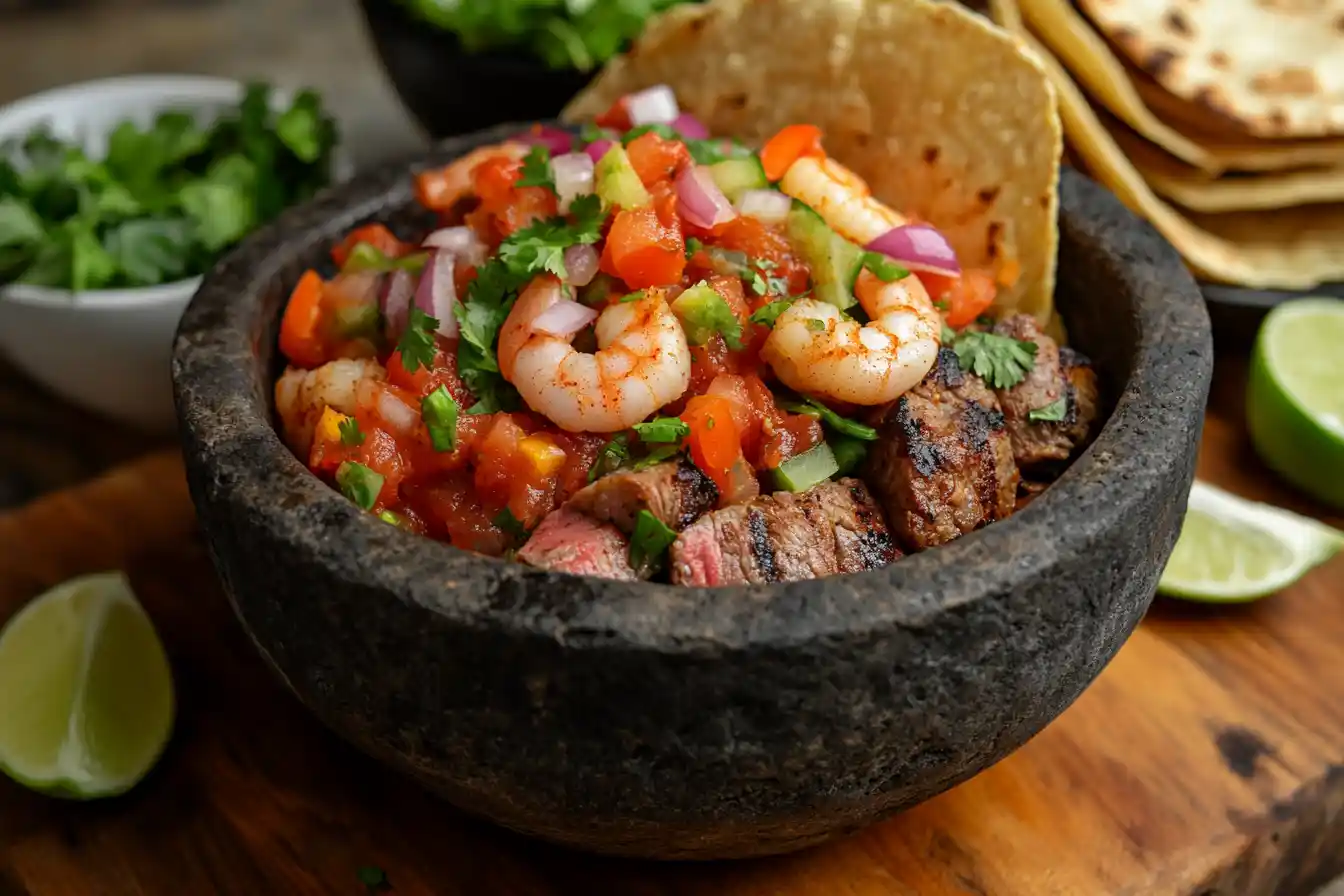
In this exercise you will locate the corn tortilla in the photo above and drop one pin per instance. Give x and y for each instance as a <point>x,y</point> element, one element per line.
<point>948,118</point>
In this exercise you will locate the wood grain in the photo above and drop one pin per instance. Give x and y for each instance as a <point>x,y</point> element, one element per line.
<point>1207,759</point>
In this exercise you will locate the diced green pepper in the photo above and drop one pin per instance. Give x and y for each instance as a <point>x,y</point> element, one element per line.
<point>801,472</point>
<point>360,484</point>
<point>849,452</point>
<point>367,257</point>
<point>358,321</point>
<point>439,411</point>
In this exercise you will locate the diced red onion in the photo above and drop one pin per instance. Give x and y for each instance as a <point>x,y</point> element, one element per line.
<point>918,247</point>
<point>573,177</point>
<point>699,199</point>
<point>457,240</point>
<point>564,318</point>
<point>397,414</point>
<point>770,206</point>
<point>581,264</point>
<point>653,105</point>
<point>688,126</point>
<point>396,300</point>
<point>557,141</point>
<point>437,293</point>
<point>598,148</point>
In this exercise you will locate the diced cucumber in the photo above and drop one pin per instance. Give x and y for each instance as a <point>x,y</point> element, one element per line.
<point>849,452</point>
<point>703,313</point>
<point>617,182</point>
<point>367,257</point>
<point>735,176</point>
<point>834,260</point>
<point>597,292</point>
<point>357,321</point>
<point>800,473</point>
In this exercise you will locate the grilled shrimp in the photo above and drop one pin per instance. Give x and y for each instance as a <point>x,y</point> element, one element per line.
<point>816,350</point>
<point>442,188</point>
<point>642,362</point>
<point>841,197</point>
<point>301,395</point>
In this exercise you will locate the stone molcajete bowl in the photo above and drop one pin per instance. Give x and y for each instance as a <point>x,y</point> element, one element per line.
<point>647,720</point>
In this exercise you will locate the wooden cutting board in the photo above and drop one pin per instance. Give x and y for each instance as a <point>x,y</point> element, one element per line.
<point>1207,759</point>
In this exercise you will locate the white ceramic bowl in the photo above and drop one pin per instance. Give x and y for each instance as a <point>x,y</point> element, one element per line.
<point>108,350</point>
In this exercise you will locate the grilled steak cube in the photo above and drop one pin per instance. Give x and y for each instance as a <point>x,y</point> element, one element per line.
<point>570,542</point>
<point>942,465</point>
<point>835,527</point>
<point>676,492</point>
<point>1059,373</point>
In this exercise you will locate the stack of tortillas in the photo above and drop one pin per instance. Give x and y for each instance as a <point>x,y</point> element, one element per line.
<point>1221,121</point>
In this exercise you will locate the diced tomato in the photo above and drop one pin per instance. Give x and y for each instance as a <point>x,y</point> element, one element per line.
<point>443,372</point>
<point>643,252</point>
<point>734,389</point>
<point>493,180</point>
<point>794,435</point>
<point>656,160</point>
<point>377,236</point>
<point>617,117</point>
<point>581,450</point>
<point>300,329</point>
<point>967,297</point>
<point>767,418</point>
<point>451,510</point>
<point>505,207</point>
<point>664,197</point>
<point>788,146</point>
<point>709,361</point>
<point>757,240</point>
<point>379,452</point>
<point>426,462</point>
<point>714,439</point>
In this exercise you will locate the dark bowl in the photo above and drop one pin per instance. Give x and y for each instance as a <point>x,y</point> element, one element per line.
<point>451,91</point>
<point>649,720</point>
<point>1236,312</point>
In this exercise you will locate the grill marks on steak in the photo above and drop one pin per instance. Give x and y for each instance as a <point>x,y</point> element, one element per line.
<point>943,464</point>
<point>835,527</point>
<point>1058,373</point>
<point>676,492</point>
<point>566,541</point>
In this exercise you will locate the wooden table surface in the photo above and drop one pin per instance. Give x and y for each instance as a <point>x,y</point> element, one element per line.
<point>1207,759</point>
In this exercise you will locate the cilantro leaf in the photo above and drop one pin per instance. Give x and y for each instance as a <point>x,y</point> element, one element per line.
<point>222,213</point>
<point>693,246</point>
<point>493,393</point>
<point>301,127</point>
<point>19,224</point>
<point>351,436</point>
<point>591,133</point>
<point>949,335</point>
<point>610,457</point>
<point>1054,412</point>
<point>511,524</point>
<point>662,429</point>
<point>767,314</point>
<point>883,268</point>
<point>814,408</point>
<point>1001,361</point>
<point>417,345</point>
<point>151,250</point>
<point>650,541</point>
<point>537,169</point>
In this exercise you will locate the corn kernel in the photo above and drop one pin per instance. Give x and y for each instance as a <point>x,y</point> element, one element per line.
<point>329,426</point>
<point>545,456</point>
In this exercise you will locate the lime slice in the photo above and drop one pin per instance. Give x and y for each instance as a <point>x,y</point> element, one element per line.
<point>1234,550</point>
<point>86,693</point>
<point>1295,396</point>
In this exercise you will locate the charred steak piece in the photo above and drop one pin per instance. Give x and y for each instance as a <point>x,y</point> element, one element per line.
<point>570,542</point>
<point>676,492</point>
<point>835,527</point>
<point>1059,374</point>
<point>942,465</point>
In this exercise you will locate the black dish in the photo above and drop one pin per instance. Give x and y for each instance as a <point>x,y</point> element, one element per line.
<point>450,91</point>
<point>1237,312</point>
<point>657,721</point>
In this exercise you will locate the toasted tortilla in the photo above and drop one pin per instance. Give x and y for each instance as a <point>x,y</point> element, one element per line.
<point>1091,60</point>
<point>1272,69</point>
<point>947,117</point>
<point>1295,248</point>
<point>1196,190</point>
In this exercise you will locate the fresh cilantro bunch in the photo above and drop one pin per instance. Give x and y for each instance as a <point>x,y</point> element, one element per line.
<point>164,202</point>
<point>578,34</point>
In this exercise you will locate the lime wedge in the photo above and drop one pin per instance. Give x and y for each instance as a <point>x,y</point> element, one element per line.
<point>86,693</point>
<point>1232,550</point>
<point>1295,396</point>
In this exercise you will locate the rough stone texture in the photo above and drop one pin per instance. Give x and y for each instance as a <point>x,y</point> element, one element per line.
<point>656,721</point>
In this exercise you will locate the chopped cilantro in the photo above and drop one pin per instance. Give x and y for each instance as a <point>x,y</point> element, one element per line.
<point>814,408</point>
<point>417,344</point>
<point>771,284</point>
<point>351,437</point>
<point>610,457</point>
<point>662,429</point>
<point>1002,361</point>
<point>650,541</point>
<point>635,296</point>
<point>537,169</point>
<point>816,326</point>
<point>511,524</point>
<point>665,131</point>
<point>541,246</point>
<point>985,320</point>
<point>693,246</point>
<point>712,151</point>
<point>360,484</point>
<point>756,281</point>
<point>883,268</point>
<point>493,393</point>
<point>591,133</point>
<point>948,337</point>
<point>767,314</point>
<point>941,305</point>
<point>1053,412</point>
<point>656,456</point>
<point>439,411</point>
